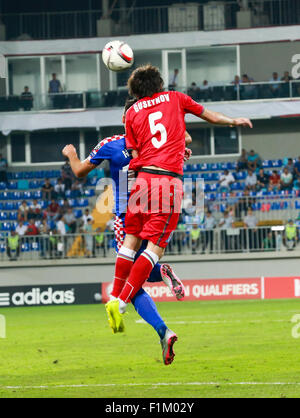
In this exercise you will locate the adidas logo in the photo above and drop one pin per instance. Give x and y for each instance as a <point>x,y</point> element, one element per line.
<point>36,297</point>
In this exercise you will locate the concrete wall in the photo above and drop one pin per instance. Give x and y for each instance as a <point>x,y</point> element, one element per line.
<point>193,267</point>
<point>275,56</point>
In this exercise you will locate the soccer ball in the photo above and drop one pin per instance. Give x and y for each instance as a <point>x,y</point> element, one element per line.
<point>117,56</point>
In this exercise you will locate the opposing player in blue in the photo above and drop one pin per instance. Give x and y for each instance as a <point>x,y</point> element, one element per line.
<point>113,149</point>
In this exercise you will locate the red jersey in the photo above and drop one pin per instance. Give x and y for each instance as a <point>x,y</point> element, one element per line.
<point>155,127</point>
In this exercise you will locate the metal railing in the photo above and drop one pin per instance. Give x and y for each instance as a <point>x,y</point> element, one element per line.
<point>116,98</point>
<point>183,242</point>
<point>143,20</point>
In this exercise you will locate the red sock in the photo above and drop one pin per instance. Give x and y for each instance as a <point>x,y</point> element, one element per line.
<point>124,263</point>
<point>138,275</point>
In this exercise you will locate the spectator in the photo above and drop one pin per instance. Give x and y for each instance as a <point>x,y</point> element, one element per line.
<point>32,229</point>
<point>44,239</point>
<point>274,181</point>
<point>286,180</point>
<point>248,92</point>
<point>87,215</point>
<point>35,211</point>
<point>70,221</point>
<point>226,180</point>
<point>77,189</point>
<point>3,169</point>
<point>64,207</point>
<point>23,211</point>
<point>53,210</point>
<point>67,175</point>
<point>195,237</point>
<point>251,180</point>
<point>262,180</point>
<point>226,223</point>
<point>21,228</point>
<point>100,242</point>
<point>286,77</point>
<point>250,223</point>
<point>254,160</point>
<point>47,190</point>
<point>290,239</point>
<point>59,189</point>
<point>54,85</point>
<point>60,225</point>
<point>27,99</point>
<point>275,85</point>
<point>204,90</point>
<point>88,229</point>
<point>13,246</point>
<point>242,163</point>
<point>173,80</point>
<point>193,91</point>
<point>297,168</point>
<point>290,166</point>
<point>53,243</point>
<point>268,242</point>
<point>236,82</point>
<point>209,225</point>
<point>232,202</point>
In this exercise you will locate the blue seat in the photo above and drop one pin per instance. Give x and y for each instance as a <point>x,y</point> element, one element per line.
<point>2,186</point>
<point>267,164</point>
<point>78,213</point>
<point>89,192</point>
<point>83,203</point>
<point>13,216</point>
<point>297,205</point>
<point>25,248</point>
<point>9,206</point>
<point>277,163</point>
<point>3,216</point>
<point>37,194</point>
<point>29,175</point>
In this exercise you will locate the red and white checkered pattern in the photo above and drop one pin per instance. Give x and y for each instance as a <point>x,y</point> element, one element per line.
<point>119,229</point>
<point>110,139</point>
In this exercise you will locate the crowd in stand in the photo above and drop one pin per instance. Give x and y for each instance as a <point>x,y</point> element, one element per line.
<point>245,88</point>
<point>51,225</point>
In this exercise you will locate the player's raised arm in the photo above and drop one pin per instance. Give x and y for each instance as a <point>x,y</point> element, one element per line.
<point>217,118</point>
<point>79,168</point>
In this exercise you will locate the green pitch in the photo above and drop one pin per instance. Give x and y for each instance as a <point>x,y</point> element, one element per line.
<point>222,348</point>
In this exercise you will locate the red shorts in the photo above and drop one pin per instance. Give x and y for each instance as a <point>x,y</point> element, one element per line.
<point>154,208</point>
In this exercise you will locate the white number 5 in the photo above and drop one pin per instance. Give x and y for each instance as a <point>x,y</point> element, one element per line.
<point>153,117</point>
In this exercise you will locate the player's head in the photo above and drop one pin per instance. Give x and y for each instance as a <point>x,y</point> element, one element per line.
<point>145,81</point>
<point>129,102</point>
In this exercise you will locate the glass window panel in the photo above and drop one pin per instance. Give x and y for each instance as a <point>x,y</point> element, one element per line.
<point>201,144</point>
<point>53,66</point>
<point>81,72</point>
<point>18,148</point>
<point>226,141</point>
<point>24,72</point>
<point>47,146</point>
<point>216,65</point>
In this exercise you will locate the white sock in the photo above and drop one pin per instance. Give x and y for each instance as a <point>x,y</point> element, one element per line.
<point>153,257</point>
<point>122,306</point>
<point>126,251</point>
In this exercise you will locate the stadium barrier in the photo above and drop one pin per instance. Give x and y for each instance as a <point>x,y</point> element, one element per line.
<point>224,289</point>
<point>149,20</point>
<point>192,240</point>
<point>63,294</point>
<point>80,100</point>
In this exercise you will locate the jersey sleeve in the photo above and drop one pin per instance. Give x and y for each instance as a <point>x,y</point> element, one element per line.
<point>131,143</point>
<point>101,152</point>
<point>189,105</point>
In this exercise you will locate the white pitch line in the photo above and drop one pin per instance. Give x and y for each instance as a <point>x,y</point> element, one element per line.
<point>151,384</point>
<point>141,321</point>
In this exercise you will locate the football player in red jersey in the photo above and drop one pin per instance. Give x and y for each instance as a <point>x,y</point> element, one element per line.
<point>155,133</point>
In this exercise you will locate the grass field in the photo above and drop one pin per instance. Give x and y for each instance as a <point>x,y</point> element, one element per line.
<point>225,349</point>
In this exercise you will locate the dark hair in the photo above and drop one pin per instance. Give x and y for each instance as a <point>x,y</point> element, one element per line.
<point>145,81</point>
<point>129,102</point>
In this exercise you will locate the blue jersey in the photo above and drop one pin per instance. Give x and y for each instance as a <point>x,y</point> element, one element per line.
<point>114,150</point>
